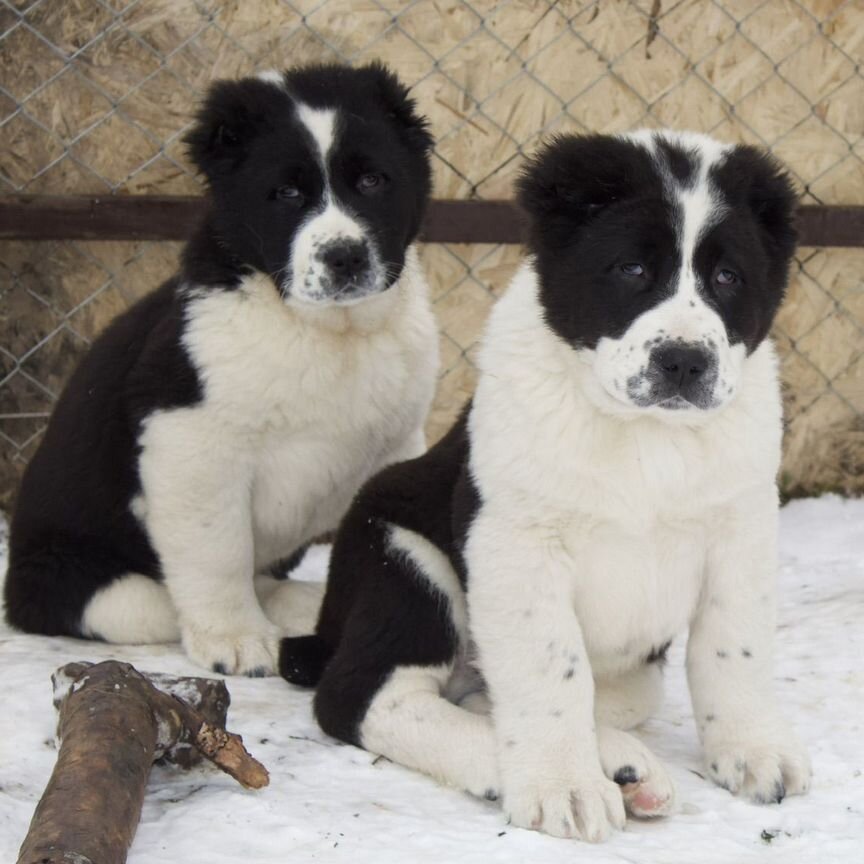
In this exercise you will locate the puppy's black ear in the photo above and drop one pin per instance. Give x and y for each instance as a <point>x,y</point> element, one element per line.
<point>232,114</point>
<point>752,177</point>
<point>401,108</point>
<point>577,176</point>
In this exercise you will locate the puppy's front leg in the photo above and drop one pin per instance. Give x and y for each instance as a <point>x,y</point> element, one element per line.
<point>197,510</point>
<point>540,682</point>
<point>749,748</point>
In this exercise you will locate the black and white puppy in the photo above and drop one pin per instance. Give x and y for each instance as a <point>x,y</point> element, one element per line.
<point>611,485</point>
<point>231,415</point>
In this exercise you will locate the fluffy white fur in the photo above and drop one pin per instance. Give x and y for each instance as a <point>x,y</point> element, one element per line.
<point>301,404</point>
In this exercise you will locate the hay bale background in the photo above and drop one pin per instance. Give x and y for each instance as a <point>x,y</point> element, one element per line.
<point>97,100</point>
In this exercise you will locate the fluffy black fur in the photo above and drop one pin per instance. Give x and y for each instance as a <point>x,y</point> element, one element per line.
<point>72,530</point>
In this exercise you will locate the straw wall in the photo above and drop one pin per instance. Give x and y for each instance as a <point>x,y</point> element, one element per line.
<point>96,93</point>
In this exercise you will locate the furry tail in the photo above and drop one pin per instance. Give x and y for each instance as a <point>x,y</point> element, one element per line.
<point>302,659</point>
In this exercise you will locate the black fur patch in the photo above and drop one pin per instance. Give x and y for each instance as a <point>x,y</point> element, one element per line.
<point>658,655</point>
<point>681,163</point>
<point>302,659</point>
<point>586,195</point>
<point>282,569</point>
<point>72,530</point>
<point>756,239</point>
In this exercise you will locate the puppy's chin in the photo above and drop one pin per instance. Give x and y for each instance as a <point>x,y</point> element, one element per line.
<point>324,295</point>
<point>676,410</point>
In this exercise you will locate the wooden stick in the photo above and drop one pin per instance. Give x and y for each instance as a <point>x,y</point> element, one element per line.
<point>113,723</point>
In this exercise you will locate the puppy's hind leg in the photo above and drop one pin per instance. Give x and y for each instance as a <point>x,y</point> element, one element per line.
<point>411,723</point>
<point>394,653</point>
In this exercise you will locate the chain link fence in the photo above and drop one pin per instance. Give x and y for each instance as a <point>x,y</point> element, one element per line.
<point>95,96</point>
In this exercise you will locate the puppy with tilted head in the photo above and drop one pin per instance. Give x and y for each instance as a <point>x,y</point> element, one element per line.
<point>499,609</point>
<point>231,415</point>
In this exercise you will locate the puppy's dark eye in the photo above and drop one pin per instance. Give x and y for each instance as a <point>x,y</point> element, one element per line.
<point>726,277</point>
<point>286,193</point>
<point>370,182</point>
<point>633,269</point>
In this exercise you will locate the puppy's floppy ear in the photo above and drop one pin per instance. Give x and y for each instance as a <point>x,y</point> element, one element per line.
<point>232,115</point>
<point>754,178</point>
<point>401,108</point>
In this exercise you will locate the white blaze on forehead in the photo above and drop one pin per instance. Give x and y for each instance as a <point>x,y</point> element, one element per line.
<point>698,200</point>
<point>321,123</point>
<point>708,149</point>
<point>699,210</point>
<point>272,76</point>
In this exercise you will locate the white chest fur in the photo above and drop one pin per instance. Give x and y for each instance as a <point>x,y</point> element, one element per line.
<point>626,504</point>
<point>310,402</point>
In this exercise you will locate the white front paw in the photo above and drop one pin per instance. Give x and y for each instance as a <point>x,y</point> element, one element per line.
<point>586,808</point>
<point>252,652</point>
<point>765,767</point>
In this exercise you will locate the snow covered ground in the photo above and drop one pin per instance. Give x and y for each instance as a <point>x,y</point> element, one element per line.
<point>328,802</point>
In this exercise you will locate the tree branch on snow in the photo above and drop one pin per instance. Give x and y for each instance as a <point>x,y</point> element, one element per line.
<point>114,722</point>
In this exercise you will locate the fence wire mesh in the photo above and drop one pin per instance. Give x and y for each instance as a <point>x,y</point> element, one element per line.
<point>95,96</point>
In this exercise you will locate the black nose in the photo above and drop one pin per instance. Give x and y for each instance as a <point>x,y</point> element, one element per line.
<point>347,260</point>
<point>680,364</point>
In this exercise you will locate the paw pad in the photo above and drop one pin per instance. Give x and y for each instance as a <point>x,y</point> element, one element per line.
<point>626,775</point>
